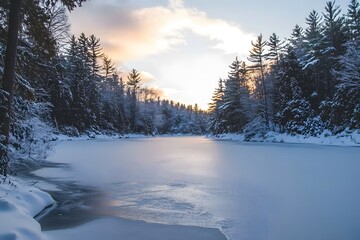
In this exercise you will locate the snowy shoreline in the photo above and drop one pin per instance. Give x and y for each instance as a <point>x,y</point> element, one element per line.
<point>345,138</point>
<point>351,139</point>
<point>19,204</point>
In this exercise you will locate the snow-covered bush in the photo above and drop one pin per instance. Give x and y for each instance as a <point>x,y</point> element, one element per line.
<point>313,126</point>
<point>70,131</point>
<point>255,129</point>
<point>31,135</point>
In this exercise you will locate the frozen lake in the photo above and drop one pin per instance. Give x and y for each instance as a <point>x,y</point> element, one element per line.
<point>247,190</point>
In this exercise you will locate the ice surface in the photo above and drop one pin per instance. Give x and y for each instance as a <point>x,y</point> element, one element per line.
<point>117,228</point>
<point>248,190</point>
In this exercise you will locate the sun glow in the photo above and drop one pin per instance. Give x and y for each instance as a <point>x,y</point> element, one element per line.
<point>137,39</point>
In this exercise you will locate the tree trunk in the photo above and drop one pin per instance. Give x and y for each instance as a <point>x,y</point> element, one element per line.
<point>8,81</point>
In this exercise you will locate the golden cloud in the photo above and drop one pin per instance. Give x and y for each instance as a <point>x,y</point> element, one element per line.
<point>132,34</point>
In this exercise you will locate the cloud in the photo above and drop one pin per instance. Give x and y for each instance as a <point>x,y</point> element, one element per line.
<point>129,34</point>
<point>175,4</point>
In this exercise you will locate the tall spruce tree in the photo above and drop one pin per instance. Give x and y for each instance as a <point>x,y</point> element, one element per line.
<point>290,106</point>
<point>107,66</point>
<point>311,60</point>
<point>353,20</point>
<point>333,46</point>
<point>275,49</point>
<point>133,84</point>
<point>232,108</point>
<point>95,54</point>
<point>216,119</point>
<point>258,59</point>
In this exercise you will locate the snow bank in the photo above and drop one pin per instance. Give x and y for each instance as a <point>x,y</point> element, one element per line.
<point>342,139</point>
<point>19,203</point>
<point>118,228</point>
<point>63,137</point>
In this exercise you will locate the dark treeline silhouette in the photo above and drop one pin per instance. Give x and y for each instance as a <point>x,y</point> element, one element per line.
<point>306,84</point>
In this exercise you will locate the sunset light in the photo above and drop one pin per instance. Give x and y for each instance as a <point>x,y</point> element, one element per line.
<point>176,35</point>
<point>179,120</point>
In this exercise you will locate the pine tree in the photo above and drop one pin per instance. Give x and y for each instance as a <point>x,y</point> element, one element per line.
<point>84,54</point>
<point>333,45</point>
<point>291,108</point>
<point>344,111</point>
<point>233,108</point>
<point>296,39</point>
<point>313,36</point>
<point>95,53</point>
<point>311,59</point>
<point>258,58</point>
<point>85,94</point>
<point>297,110</point>
<point>60,94</point>
<point>216,119</point>
<point>353,20</point>
<point>133,84</point>
<point>334,30</point>
<point>313,30</point>
<point>112,102</point>
<point>275,49</point>
<point>107,66</point>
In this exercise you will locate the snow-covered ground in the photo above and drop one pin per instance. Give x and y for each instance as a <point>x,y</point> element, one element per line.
<point>247,190</point>
<point>326,138</point>
<point>19,203</point>
<point>92,136</point>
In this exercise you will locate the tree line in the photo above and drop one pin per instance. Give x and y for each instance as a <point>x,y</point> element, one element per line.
<point>67,84</point>
<point>305,84</point>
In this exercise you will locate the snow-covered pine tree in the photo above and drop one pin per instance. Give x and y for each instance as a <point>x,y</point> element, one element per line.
<point>95,54</point>
<point>233,109</point>
<point>133,85</point>
<point>311,60</point>
<point>287,92</point>
<point>345,108</point>
<point>112,105</point>
<point>107,67</point>
<point>333,46</point>
<point>296,40</point>
<point>353,20</point>
<point>297,110</point>
<point>216,119</point>
<point>276,47</point>
<point>167,117</point>
<point>79,72</point>
<point>258,59</point>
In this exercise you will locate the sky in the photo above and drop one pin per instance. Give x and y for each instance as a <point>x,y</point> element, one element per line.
<point>183,47</point>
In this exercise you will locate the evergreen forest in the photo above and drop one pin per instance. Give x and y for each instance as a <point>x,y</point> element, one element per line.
<point>306,84</point>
